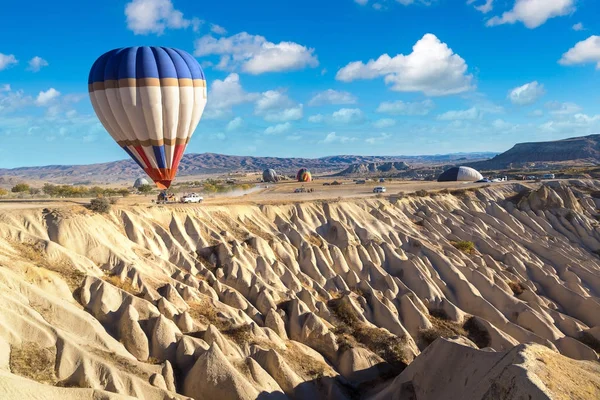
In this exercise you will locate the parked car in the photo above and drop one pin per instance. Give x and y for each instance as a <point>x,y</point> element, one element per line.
<point>484,180</point>
<point>300,190</point>
<point>192,198</point>
<point>379,189</point>
<point>326,184</point>
<point>381,180</point>
<point>361,182</point>
<point>548,176</point>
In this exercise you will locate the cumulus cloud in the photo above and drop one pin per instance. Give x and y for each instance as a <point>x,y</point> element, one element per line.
<point>217,29</point>
<point>224,94</point>
<point>279,128</point>
<point>316,119</point>
<point>331,96</point>
<point>37,63</point>
<point>584,52</point>
<point>558,108</point>
<point>376,139</point>
<point>288,114</point>
<point>471,113</point>
<point>47,97</point>
<point>254,54</point>
<point>13,100</point>
<point>406,108</point>
<point>432,68</point>
<point>533,13</point>
<point>578,124</point>
<point>347,116</point>
<point>384,123</point>
<point>578,27</point>
<point>527,94</point>
<point>7,60</point>
<point>276,106</point>
<point>234,124</point>
<point>154,16</point>
<point>335,138</point>
<point>485,6</point>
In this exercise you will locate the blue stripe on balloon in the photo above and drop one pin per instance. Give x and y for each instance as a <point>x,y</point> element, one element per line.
<point>145,64</point>
<point>111,70</point>
<point>182,71</point>
<point>159,155</point>
<point>97,70</point>
<point>192,64</point>
<point>132,156</point>
<point>128,63</point>
<point>164,64</point>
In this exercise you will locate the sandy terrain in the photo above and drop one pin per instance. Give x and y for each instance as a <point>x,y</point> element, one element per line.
<point>489,293</point>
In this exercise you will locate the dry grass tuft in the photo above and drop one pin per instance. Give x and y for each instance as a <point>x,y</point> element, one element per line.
<point>351,332</point>
<point>464,246</point>
<point>516,287</point>
<point>441,328</point>
<point>206,312</point>
<point>314,240</point>
<point>476,333</point>
<point>241,335</point>
<point>34,362</point>
<point>126,285</point>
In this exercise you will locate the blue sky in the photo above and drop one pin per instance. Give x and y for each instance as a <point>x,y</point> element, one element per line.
<point>312,78</point>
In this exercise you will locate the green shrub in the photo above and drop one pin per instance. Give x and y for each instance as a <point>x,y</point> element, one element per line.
<point>101,205</point>
<point>21,188</point>
<point>464,246</point>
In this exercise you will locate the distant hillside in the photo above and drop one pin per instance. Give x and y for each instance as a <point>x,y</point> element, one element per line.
<point>381,168</point>
<point>211,163</point>
<point>577,150</point>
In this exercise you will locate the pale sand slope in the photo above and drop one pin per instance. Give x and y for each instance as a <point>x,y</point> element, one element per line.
<point>308,301</point>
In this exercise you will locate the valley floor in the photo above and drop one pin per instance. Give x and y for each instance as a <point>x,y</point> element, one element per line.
<point>469,293</point>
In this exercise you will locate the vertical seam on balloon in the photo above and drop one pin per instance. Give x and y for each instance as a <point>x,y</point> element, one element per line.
<point>191,123</point>
<point>172,163</point>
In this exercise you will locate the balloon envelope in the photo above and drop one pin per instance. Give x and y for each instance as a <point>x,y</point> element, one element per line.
<point>465,174</point>
<point>269,175</point>
<point>150,100</point>
<point>304,175</point>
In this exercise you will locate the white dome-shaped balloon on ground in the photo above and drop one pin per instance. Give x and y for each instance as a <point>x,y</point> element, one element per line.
<point>460,174</point>
<point>269,175</point>
<point>140,182</point>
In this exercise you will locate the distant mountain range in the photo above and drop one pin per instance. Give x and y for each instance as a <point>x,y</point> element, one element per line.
<point>211,163</point>
<point>577,150</point>
<point>375,168</point>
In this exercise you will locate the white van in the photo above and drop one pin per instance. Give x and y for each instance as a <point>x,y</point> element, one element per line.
<point>192,198</point>
<point>379,189</point>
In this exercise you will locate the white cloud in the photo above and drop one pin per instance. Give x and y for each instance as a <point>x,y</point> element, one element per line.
<point>154,16</point>
<point>401,108</point>
<point>47,97</point>
<point>7,60</point>
<point>255,54</point>
<point>5,88</point>
<point>503,126</point>
<point>578,124</point>
<point>37,63</point>
<point>536,113</point>
<point>578,27</point>
<point>527,94</point>
<point>271,100</point>
<point>331,96</point>
<point>485,8</point>
<point>234,124</point>
<point>471,113</point>
<point>558,108</point>
<point>217,29</point>
<point>224,94</point>
<point>384,123</point>
<point>13,100</point>
<point>586,51</point>
<point>277,129</point>
<point>361,2</point>
<point>288,114</point>
<point>347,115</point>
<point>335,138</point>
<point>432,68</point>
<point>380,138</point>
<point>533,13</point>
<point>317,119</point>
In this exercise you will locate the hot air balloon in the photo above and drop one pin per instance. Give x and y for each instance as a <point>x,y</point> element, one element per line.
<point>304,175</point>
<point>140,182</point>
<point>269,175</point>
<point>466,174</point>
<point>150,100</point>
